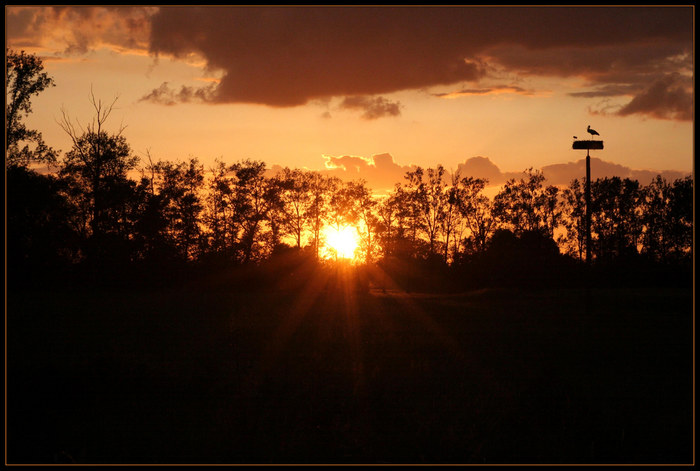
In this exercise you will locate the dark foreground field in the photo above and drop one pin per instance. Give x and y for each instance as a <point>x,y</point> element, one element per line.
<point>329,374</point>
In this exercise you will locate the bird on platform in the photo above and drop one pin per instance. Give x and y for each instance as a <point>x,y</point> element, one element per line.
<point>593,132</point>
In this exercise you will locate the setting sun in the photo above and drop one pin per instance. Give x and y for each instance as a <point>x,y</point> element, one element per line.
<point>341,243</point>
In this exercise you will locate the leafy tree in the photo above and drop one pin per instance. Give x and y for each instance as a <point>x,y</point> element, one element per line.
<point>387,212</point>
<point>367,219</point>
<point>477,211</point>
<point>40,233</point>
<point>178,188</point>
<point>550,209</point>
<point>399,222</point>
<point>656,205</point>
<point>573,204</point>
<point>527,205</point>
<point>24,78</point>
<point>428,201</point>
<point>275,214</point>
<point>296,202</point>
<point>342,207</point>
<point>682,217</point>
<point>452,215</point>
<point>250,204</point>
<point>615,217</point>
<point>219,216</point>
<point>320,189</point>
<point>666,218</point>
<point>528,259</point>
<point>150,224</point>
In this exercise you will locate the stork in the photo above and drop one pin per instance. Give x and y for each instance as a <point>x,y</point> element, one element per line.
<point>593,132</point>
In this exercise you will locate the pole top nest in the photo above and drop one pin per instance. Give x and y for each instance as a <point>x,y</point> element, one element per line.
<point>587,145</point>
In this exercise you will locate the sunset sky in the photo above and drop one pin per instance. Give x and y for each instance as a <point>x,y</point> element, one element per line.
<point>371,91</point>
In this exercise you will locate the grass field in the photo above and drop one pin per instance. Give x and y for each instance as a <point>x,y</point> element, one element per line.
<point>326,373</point>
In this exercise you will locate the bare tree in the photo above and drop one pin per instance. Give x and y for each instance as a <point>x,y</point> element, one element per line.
<point>98,162</point>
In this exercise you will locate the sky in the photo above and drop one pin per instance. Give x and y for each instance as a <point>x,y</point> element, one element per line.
<point>372,92</point>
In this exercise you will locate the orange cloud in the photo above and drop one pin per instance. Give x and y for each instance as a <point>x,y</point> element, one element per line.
<point>563,174</point>
<point>381,172</point>
<point>80,29</point>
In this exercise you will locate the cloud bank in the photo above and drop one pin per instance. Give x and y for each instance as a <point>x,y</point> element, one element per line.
<point>289,56</point>
<point>381,172</point>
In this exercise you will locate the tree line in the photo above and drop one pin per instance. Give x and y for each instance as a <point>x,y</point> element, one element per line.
<point>103,208</point>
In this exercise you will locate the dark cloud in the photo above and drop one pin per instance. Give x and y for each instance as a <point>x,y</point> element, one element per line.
<point>667,98</point>
<point>372,107</point>
<point>286,56</point>
<point>605,91</point>
<point>627,62</point>
<point>289,56</point>
<point>486,91</point>
<point>164,95</point>
<point>656,76</point>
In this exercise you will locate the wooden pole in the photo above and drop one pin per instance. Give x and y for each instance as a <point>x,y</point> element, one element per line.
<point>588,207</point>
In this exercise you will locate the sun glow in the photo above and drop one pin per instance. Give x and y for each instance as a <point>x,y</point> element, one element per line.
<point>341,243</point>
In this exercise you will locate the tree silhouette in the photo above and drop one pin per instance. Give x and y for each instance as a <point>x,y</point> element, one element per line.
<point>666,218</point>
<point>296,202</point>
<point>477,212</point>
<point>319,189</point>
<point>366,211</point>
<point>527,205</point>
<point>342,206</point>
<point>615,224</point>
<point>453,196</point>
<point>219,215</point>
<point>427,194</point>
<point>151,242</point>
<point>98,165</point>
<point>41,236</point>
<point>24,78</point>
<point>399,222</point>
<point>682,218</point>
<point>250,205</point>
<point>275,215</point>
<point>573,204</point>
<point>388,213</point>
<point>178,188</point>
